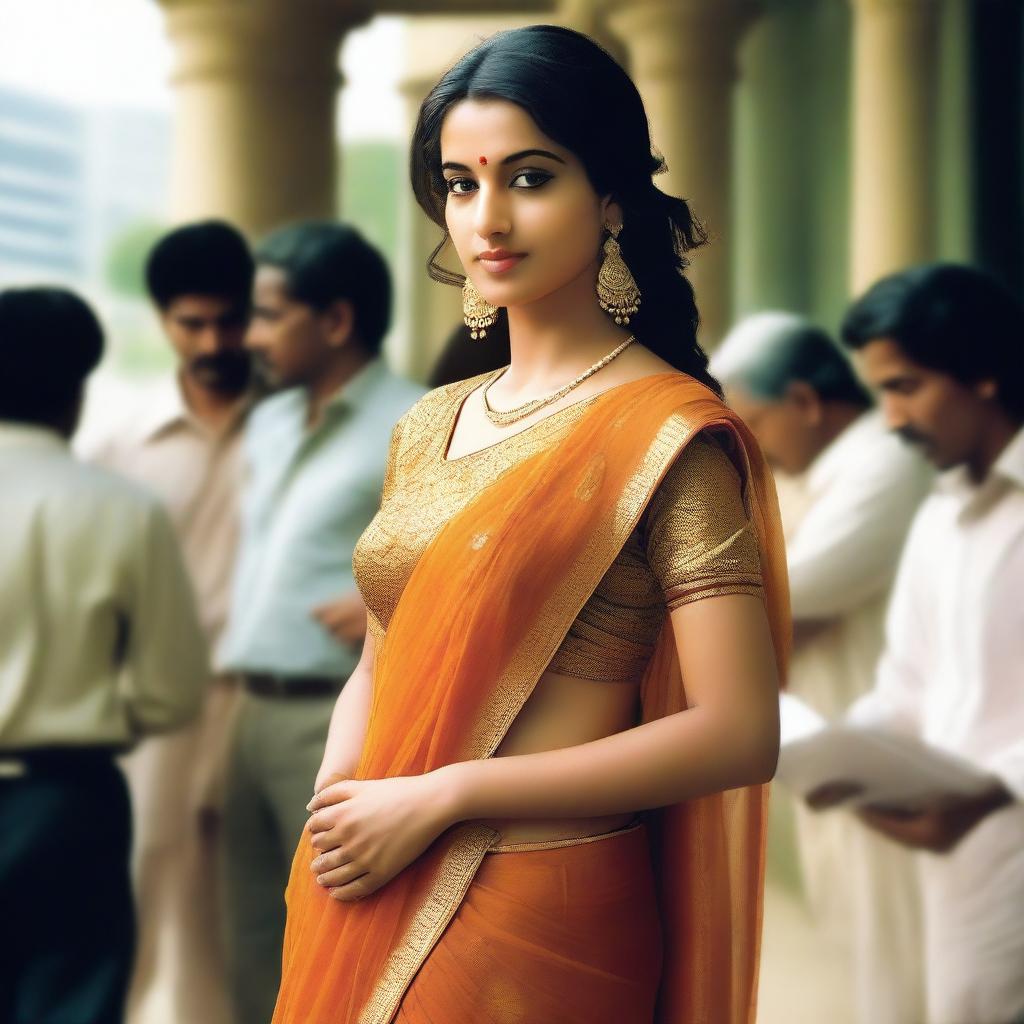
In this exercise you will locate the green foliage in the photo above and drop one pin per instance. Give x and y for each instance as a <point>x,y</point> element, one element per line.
<point>125,258</point>
<point>372,190</point>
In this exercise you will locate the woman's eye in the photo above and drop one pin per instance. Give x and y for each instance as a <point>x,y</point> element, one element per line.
<point>531,179</point>
<point>460,186</point>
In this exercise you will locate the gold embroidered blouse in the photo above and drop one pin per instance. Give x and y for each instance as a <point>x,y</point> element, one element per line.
<point>695,539</point>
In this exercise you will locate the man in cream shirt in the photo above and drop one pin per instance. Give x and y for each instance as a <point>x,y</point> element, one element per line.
<point>99,645</point>
<point>857,489</point>
<point>185,446</point>
<point>944,346</point>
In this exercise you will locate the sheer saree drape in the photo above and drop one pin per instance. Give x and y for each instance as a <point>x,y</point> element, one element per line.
<point>484,611</point>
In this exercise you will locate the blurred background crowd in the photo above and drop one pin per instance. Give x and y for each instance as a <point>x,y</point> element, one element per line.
<point>225,183</point>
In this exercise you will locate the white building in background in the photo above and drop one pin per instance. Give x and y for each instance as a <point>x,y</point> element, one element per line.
<point>43,202</point>
<point>71,181</point>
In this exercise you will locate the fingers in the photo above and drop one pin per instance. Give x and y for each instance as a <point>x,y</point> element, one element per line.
<point>331,860</point>
<point>353,891</point>
<point>335,793</point>
<point>345,612</point>
<point>323,842</point>
<point>340,877</point>
<point>831,794</point>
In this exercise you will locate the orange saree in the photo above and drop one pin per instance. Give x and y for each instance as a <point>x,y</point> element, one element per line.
<point>484,611</point>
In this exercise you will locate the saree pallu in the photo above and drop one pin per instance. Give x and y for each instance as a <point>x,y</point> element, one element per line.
<point>487,606</point>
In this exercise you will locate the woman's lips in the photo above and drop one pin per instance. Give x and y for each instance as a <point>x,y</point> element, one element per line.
<point>499,263</point>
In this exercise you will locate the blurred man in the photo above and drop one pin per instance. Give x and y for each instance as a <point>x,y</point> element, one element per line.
<point>99,644</point>
<point>944,346</point>
<point>860,486</point>
<point>316,454</point>
<point>185,446</point>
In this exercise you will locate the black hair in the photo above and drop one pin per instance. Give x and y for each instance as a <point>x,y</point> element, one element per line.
<point>581,98</point>
<point>325,262</point>
<point>948,317</point>
<point>207,258</point>
<point>50,341</point>
<point>808,354</point>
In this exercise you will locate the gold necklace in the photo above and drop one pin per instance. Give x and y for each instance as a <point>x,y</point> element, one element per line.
<point>502,418</point>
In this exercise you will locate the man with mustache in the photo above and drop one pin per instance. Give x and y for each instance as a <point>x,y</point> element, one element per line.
<point>848,493</point>
<point>316,456</point>
<point>944,347</point>
<point>186,447</point>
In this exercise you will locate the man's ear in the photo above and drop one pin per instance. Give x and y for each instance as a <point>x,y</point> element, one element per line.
<point>339,319</point>
<point>806,400</point>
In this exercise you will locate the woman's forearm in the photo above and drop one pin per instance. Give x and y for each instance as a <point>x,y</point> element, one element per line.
<point>685,755</point>
<point>348,727</point>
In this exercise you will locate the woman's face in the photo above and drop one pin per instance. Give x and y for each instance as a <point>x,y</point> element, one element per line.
<point>521,212</point>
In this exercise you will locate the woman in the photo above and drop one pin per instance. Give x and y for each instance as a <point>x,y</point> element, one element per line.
<point>559,546</point>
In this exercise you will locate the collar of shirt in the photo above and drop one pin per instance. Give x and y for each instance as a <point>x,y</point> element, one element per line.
<point>833,459</point>
<point>352,395</point>
<point>1007,472</point>
<point>1010,464</point>
<point>28,435</point>
<point>167,410</point>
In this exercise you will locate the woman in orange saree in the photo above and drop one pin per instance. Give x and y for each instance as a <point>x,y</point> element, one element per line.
<point>437,918</point>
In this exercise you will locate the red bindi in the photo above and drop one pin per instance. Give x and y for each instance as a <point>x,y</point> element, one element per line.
<point>483,161</point>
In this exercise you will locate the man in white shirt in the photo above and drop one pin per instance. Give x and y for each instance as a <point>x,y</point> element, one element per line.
<point>859,488</point>
<point>99,645</point>
<point>185,446</point>
<point>944,346</point>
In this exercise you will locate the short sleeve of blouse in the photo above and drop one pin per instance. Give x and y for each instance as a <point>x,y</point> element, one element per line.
<point>699,538</point>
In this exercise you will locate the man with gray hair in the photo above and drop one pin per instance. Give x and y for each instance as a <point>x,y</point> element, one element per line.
<point>855,491</point>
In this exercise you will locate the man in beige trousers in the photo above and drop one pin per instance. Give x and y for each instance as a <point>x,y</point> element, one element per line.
<point>185,446</point>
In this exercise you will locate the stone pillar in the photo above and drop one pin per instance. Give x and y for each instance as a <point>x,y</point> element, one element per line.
<point>682,56</point>
<point>256,87</point>
<point>429,310</point>
<point>791,180</point>
<point>895,72</point>
<point>591,18</point>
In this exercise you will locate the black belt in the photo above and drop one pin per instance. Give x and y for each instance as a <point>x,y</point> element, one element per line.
<point>264,684</point>
<point>15,764</point>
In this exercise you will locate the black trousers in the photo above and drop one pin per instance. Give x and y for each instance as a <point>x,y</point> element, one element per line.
<point>67,925</point>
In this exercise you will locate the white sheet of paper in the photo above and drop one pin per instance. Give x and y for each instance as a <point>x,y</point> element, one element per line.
<point>894,769</point>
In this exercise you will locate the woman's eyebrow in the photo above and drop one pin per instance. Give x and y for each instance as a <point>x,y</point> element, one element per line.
<point>451,165</point>
<point>512,158</point>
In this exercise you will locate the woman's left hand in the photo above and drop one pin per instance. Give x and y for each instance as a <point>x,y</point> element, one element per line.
<point>366,832</point>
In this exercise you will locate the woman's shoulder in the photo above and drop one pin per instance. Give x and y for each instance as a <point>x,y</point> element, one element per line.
<point>707,469</point>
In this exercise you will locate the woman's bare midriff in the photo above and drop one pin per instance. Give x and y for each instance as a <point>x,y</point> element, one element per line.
<point>562,712</point>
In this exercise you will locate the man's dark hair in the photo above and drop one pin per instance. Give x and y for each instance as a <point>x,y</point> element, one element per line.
<point>326,262</point>
<point>955,319</point>
<point>50,341</point>
<point>207,258</point>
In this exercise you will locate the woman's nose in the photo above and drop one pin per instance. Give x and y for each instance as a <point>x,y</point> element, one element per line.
<point>493,216</point>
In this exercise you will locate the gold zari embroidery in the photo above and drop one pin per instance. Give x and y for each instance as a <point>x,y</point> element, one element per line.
<point>693,540</point>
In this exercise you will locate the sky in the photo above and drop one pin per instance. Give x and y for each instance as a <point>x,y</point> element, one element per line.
<point>102,53</point>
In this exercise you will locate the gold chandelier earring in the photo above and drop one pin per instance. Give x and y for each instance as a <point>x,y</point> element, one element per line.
<point>616,290</point>
<point>477,313</point>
